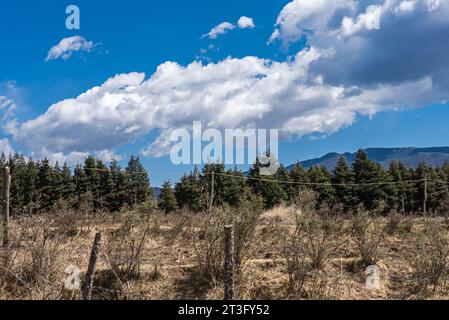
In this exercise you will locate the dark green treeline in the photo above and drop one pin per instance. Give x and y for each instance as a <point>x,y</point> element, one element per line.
<point>364,182</point>
<point>36,186</point>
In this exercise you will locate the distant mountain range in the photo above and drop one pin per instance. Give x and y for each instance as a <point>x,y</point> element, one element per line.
<point>411,157</point>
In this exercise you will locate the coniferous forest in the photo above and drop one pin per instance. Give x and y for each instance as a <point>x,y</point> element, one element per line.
<point>37,186</point>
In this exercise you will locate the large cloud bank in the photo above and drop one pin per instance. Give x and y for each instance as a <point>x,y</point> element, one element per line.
<point>363,57</point>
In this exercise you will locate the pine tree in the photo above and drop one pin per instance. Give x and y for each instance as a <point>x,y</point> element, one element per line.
<point>187,191</point>
<point>266,186</point>
<point>17,164</point>
<point>233,187</point>
<point>343,180</point>
<point>138,181</point>
<point>321,180</point>
<point>57,185</point>
<point>121,194</point>
<point>371,178</point>
<point>80,184</point>
<point>283,174</point>
<point>30,192</point>
<point>106,185</point>
<point>299,178</point>
<point>44,185</point>
<point>167,199</point>
<point>68,185</point>
<point>92,180</point>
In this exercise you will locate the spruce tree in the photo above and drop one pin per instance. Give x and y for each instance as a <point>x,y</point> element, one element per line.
<point>343,180</point>
<point>266,186</point>
<point>233,187</point>
<point>187,191</point>
<point>80,184</point>
<point>57,185</point>
<point>121,194</point>
<point>321,180</point>
<point>92,180</point>
<point>30,192</point>
<point>68,190</point>
<point>167,200</point>
<point>138,181</point>
<point>106,186</point>
<point>299,177</point>
<point>370,177</point>
<point>44,185</point>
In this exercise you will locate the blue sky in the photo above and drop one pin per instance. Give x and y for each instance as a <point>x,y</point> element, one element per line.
<point>392,95</point>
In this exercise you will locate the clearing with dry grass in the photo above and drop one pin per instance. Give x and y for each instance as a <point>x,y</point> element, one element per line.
<point>284,253</point>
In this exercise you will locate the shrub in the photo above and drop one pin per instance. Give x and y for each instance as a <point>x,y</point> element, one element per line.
<point>209,244</point>
<point>432,259</point>
<point>368,237</point>
<point>393,221</point>
<point>311,247</point>
<point>33,258</point>
<point>125,247</point>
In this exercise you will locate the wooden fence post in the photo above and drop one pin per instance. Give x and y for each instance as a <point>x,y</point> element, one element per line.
<point>229,263</point>
<point>5,224</point>
<point>90,274</point>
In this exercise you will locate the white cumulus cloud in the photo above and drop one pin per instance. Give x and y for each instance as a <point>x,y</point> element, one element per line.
<point>234,93</point>
<point>246,22</point>
<point>67,46</point>
<point>222,28</point>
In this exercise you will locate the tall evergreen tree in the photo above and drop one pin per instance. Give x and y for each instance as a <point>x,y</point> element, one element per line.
<point>106,186</point>
<point>44,185</point>
<point>92,180</point>
<point>187,191</point>
<point>30,191</point>
<point>321,179</point>
<point>167,199</point>
<point>370,177</point>
<point>57,185</point>
<point>299,178</point>
<point>69,187</point>
<point>121,194</point>
<point>343,179</point>
<point>138,181</point>
<point>266,186</point>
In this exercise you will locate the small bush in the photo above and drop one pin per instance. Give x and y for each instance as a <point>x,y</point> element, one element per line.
<point>432,260</point>
<point>209,243</point>
<point>393,221</point>
<point>311,247</point>
<point>368,237</point>
<point>407,224</point>
<point>33,258</point>
<point>125,247</point>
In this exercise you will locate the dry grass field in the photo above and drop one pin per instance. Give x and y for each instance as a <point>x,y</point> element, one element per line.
<point>285,253</point>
